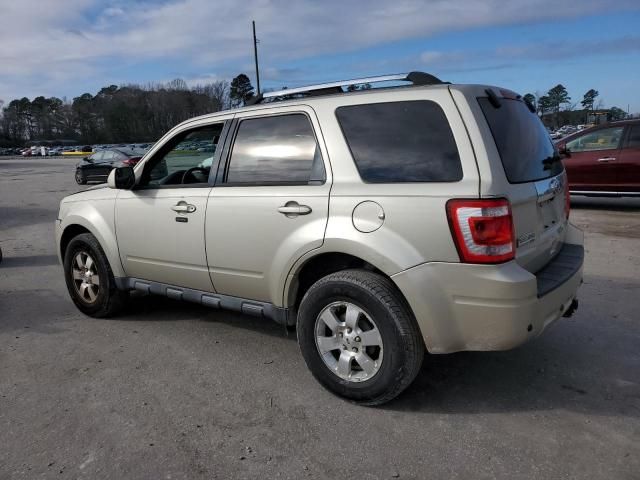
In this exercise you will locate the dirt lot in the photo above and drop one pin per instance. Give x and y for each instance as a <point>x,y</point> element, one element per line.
<point>174,390</point>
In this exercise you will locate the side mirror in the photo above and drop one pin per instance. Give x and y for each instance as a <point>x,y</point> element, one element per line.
<point>563,150</point>
<point>122,178</point>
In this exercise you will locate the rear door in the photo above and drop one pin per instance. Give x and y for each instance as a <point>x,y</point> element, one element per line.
<point>629,162</point>
<point>594,161</point>
<point>523,166</point>
<point>270,203</point>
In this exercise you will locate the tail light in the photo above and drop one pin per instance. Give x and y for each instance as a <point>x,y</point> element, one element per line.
<point>482,230</point>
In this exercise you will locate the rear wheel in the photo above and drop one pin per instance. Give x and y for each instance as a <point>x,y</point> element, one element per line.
<point>80,178</point>
<point>89,278</point>
<point>358,336</point>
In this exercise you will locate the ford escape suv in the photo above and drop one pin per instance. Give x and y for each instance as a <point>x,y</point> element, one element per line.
<point>379,222</point>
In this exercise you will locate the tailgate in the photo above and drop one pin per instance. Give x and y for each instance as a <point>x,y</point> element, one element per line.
<point>539,219</point>
<point>524,166</point>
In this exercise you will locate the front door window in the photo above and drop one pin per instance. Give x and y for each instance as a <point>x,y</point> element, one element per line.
<point>604,139</point>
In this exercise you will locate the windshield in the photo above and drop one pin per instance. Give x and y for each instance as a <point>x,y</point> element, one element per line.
<point>525,147</point>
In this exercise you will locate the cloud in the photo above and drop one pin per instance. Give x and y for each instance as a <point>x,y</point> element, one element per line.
<point>511,56</point>
<point>561,49</point>
<point>49,43</point>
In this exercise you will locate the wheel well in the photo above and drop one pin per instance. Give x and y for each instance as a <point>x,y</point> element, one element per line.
<point>321,266</point>
<point>70,232</point>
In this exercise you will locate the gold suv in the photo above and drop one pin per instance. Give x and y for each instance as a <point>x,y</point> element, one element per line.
<point>380,222</point>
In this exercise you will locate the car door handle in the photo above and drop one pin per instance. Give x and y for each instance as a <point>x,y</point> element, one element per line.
<point>606,159</point>
<point>293,208</point>
<point>183,207</point>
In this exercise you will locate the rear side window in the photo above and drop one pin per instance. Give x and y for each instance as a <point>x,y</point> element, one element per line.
<point>522,141</point>
<point>275,150</point>
<point>401,142</point>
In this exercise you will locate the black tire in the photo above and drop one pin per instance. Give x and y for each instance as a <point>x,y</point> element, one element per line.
<point>383,303</point>
<point>80,178</point>
<point>109,300</point>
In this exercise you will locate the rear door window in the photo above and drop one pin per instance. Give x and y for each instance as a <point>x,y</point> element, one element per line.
<point>280,149</point>
<point>521,140</point>
<point>409,141</point>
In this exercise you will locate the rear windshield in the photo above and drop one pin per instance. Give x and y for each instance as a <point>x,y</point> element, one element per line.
<point>522,141</point>
<point>401,142</point>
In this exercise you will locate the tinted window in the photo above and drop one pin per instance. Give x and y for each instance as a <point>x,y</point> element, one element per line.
<point>522,141</point>
<point>191,151</point>
<point>634,137</point>
<point>401,142</point>
<point>279,149</point>
<point>603,139</point>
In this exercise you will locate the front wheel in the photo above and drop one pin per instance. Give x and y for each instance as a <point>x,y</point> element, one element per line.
<point>80,178</point>
<point>358,336</point>
<point>89,278</point>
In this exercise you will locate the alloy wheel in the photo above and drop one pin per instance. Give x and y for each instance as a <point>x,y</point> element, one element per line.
<point>349,341</point>
<point>85,277</point>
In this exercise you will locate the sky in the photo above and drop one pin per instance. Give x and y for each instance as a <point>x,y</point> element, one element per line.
<point>65,48</point>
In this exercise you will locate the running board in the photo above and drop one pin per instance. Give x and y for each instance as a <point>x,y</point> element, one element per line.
<point>596,193</point>
<point>208,299</point>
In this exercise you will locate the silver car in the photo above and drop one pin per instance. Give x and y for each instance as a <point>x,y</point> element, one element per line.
<point>381,223</point>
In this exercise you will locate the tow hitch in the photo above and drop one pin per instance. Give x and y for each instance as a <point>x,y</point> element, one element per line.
<point>572,308</point>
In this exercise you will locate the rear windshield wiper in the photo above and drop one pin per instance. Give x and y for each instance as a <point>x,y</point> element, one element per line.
<point>547,162</point>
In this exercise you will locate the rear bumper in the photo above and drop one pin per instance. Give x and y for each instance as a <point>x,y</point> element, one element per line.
<point>491,307</point>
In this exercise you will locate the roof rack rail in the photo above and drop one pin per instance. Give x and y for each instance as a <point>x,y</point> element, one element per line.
<point>416,78</point>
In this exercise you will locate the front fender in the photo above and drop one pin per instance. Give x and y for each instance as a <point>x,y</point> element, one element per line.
<point>98,219</point>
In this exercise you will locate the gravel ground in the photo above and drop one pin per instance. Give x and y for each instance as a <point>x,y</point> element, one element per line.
<point>174,390</point>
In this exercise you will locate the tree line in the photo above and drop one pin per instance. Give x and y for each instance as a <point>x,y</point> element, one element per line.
<point>555,107</point>
<point>129,113</point>
<point>135,113</point>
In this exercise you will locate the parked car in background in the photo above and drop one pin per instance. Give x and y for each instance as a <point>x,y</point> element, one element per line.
<point>603,160</point>
<point>96,167</point>
<point>555,135</point>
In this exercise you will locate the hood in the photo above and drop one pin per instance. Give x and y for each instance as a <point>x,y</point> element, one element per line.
<point>95,192</point>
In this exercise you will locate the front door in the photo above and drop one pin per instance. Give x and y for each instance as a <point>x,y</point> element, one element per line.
<point>92,167</point>
<point>160,224</point>
<point>629,162</point>
<point>593,165</point>
<point>270,203</point>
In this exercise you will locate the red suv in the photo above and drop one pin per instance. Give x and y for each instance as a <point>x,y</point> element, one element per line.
<point>603,160</point>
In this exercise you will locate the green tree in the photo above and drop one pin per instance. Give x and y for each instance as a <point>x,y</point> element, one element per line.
<point>616,113</point>
<point>558,96</point>
<point>241,90</point>
<point>530,98</point>
<point>589,99</point>
<point>544,105</point>
<point>359,86</point>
